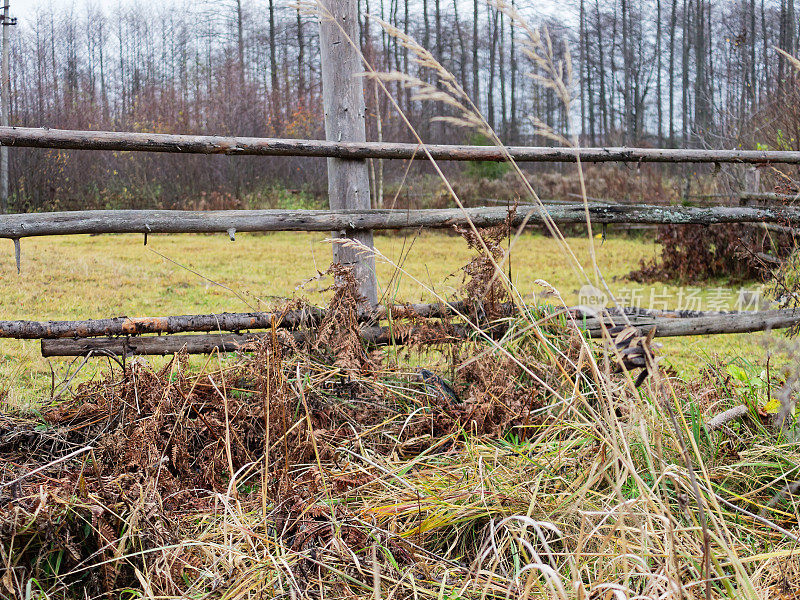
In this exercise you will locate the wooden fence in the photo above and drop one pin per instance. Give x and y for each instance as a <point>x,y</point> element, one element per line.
<point>91,337</point>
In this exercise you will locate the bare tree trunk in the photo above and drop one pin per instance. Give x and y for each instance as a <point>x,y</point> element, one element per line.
<point>502,73</point>
<point>379,133</point>
<point>786,39</point>
<point>711,77</point>
<point>240,42</point>
<point>582,66</point>
<point>90,52</point>
<point>426,32</point>
<point>685,66</point>
<point>301,51</point>
<point>627,67</point>
<point>765,85</point>
<point>56,99</point>
<point>781,42</point>
<point>103,95</point>
<point>405,54</point>
<point>5,99</point>
<point>345,120</point>
<point>590,97</point>
<point>702,107</point>
<point>476,92</point>
<point>438,20</point>
<point>425,75</point>
<point>672,31</point>
<point>612,87</point>
<point>658,75</point>
<point>603,104</point>
<point>753,90</point>
<point>462,66</point>
<point>513,107</point>
<point>273,67</point>
<point>492,19</point>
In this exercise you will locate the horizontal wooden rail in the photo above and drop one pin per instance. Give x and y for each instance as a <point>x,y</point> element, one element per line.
<point>152,345</point>
<point>203,344</point>
<point>745,322</point>
<point>769,197</point>
<point>115,326</point>
<point>207,144</point>
<point>34,330</point>
<point>735,322</point>
<point>17,226</point>
<point>773,227</point>
<point>294,319</point>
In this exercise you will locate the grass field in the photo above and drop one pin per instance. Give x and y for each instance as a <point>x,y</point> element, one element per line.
<point>93,277</point>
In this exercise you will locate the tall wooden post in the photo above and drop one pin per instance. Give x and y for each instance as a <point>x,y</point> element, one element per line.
<point>752,183</point>
<point>5,106</point>
<point>345,121</point>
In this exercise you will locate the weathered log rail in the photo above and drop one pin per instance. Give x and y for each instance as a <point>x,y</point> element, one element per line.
<point>380,336</point>
<point>769,197</point>
<point>234,322</point>
<point>736,322</point>
<point>162,346</point>
<point>374,335</point>
<point>18,226</point>
<point>208,144</point>
<point>311,316</point>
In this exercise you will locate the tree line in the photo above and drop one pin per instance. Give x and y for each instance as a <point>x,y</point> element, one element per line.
<point>643,72</point>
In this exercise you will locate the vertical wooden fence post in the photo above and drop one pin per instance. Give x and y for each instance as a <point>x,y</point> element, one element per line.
<point>752,183</point>
<point>345,121</point>
<point>5,106</point>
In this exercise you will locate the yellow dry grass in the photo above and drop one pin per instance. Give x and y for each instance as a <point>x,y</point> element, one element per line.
<point>81,277</point>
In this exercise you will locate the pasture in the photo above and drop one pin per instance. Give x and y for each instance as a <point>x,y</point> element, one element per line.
<point>88,277</point>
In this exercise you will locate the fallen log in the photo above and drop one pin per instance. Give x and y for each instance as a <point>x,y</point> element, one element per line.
<point>727,416</point>
<point>18,226</point>
<point>31,137</point>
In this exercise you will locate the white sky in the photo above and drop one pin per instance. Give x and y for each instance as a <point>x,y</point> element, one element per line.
<point>25,9</point>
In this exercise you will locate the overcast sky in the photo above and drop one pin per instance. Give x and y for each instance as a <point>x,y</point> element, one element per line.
<point>25,9</point>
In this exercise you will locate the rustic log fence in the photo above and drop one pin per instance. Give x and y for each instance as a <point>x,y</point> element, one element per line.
<point>376,335</point>
<point>92,337</point>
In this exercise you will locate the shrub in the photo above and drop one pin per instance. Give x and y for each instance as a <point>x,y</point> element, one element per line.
<point>485,169</point>
<point>692,253</point>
